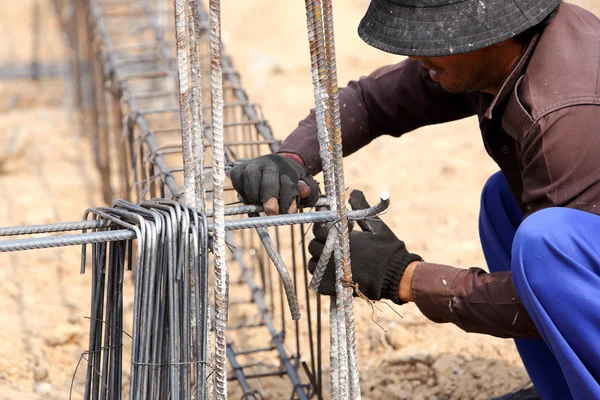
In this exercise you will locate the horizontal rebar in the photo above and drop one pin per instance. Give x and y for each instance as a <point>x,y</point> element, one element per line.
<point>247,223</point>
<point>66,240</point>
<point>50,228</point>
<point>305,218</point>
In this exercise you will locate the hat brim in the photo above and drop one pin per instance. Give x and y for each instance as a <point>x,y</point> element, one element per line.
<point>451,29</point>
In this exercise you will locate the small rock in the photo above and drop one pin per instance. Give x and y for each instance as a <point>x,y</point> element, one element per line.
<point>448,365</point>
<point>43,388</point>
<point>40,373</point>
<point>63,334</point>
<point>397,336</point>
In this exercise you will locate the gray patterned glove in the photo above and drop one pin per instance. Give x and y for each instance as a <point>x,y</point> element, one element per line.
<point>273,176</point>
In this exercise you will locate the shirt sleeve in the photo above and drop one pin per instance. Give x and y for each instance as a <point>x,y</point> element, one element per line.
<point>393,100</point>
<point>472,299</point>
<point>560,160</point>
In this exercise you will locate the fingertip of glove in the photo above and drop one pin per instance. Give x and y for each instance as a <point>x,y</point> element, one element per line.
<point>357,200</point>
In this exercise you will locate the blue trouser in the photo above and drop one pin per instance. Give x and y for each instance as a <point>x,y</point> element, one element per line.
<point>554,256</point>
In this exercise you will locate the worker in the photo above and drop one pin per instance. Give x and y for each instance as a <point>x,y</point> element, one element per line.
<point>530,71</point>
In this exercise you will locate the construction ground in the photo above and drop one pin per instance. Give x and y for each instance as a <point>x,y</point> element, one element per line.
<point>47,175</point>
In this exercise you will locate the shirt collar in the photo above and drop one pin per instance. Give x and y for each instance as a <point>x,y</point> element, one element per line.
<point>513,76</point>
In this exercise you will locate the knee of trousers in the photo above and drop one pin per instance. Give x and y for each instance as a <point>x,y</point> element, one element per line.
<point>495,186</point>
<point>538,240</point>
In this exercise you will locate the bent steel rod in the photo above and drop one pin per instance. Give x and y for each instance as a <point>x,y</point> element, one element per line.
<point>260,302</point>
<point>117,78</point>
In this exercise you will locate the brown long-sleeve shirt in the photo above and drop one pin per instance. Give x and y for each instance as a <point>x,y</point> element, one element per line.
<point>542,129</point>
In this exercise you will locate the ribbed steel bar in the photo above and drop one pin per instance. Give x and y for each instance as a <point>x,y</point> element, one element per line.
<point>218,163</point>
<point>284,274</point>
<point>189,185</point>
<point>196,104</point>
<point>251,209</point>
<point>296,219</point>
<point>321,82</point>
<point>50,228</point>
<point>248,223</point>
<point>342,226</point>
<point>332,241</point>
<point>126,79</point>
<point>318,72</point>
<point>258,298</point>
<point>239,374</point>
<point>198,161</point>
<point>66,240</point>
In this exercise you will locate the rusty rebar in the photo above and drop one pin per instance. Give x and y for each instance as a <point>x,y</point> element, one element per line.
<point>218,163</point>
<point>184,105</point>
<point>321,74</point>
<point>342,227</point>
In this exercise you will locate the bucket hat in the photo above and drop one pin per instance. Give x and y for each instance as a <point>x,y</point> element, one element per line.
<point>445,27</point>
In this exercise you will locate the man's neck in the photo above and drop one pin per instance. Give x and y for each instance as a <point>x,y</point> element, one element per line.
<point>508,55</point>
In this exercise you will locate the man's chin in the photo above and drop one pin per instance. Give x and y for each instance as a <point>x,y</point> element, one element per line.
<point>457,89</point>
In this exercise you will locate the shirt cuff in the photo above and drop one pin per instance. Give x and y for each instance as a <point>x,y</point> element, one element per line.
<point>431,287</point>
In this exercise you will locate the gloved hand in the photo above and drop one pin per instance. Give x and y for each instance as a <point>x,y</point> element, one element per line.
<point>378,257</point>
<point>265,179</point>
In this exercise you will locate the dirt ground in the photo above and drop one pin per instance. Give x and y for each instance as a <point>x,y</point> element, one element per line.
<point>434,177</point>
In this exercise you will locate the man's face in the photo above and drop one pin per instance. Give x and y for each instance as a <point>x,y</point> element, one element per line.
<point>480,70</point>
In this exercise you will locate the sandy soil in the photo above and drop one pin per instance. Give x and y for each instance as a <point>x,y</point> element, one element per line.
<point>434,177</point>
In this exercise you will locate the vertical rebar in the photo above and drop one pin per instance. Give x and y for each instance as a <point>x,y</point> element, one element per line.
<point>325,111</point>
<point>196,103</point>
<point>342,226</point>
<point>184,105</point>
<point>218,169</point>
<point>198,157</point>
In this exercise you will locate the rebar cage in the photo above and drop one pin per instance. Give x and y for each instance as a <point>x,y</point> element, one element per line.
<point>125,67</point>
<point>133,89</point>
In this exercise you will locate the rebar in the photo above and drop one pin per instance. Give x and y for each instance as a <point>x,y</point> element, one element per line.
<point>66,240</point>
<point>189,185</point>
<point>323,66</point>
<point>131,71</point>
<point>331,242</point>
<point>51,228</point>
<point>337,155</point>
<point>218,174</point>
<point>284,274</point>
<point>171,252</point>
<point>78,225</point>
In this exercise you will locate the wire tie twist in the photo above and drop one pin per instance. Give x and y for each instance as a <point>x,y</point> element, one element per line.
<point>349,284</point>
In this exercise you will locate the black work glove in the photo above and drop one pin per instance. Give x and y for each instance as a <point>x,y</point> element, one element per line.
<point>274,176</point>
<point>378,257</point>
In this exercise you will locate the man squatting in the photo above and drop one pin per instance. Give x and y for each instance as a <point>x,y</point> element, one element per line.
<point>529,69</point>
